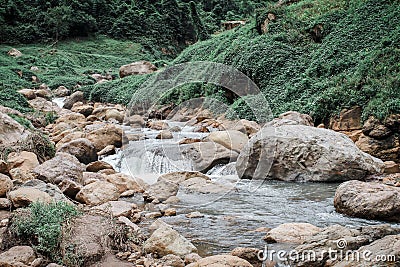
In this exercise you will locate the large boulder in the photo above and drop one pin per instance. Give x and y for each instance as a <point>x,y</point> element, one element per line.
<point>23,160</point>
<point>62,166</point>
<point>162,190</point>
<point>72,99</point>
<point>135,68</point>
<point>89,237</point>
<point>221,261</point>
<point>82,149</point>
<point>24,196</point>
<point>52,190</point>
<point>368,200</point>
<point>125,182</point>
<point>104,136</point>
<point>10,130</point>
<point>166,240</point>
<point>5,184</point>
<point>97,193</point>
<point>17,256</point>
<point>115,115</point>
<point>230,139</point>
<point>304,153</point>
<point>293,233</point>
<point>205,155</point>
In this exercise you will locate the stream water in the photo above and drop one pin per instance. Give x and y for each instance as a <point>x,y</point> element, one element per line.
<point>230,220</point>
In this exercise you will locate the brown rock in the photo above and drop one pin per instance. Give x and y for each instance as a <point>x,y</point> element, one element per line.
<point>62,166</point>
<point>85,110</point>
<point>375,129</point>
<point>62,91</point>
<point>21,176</point>
<point>98,166</point>
<point>166,240</point>
<point>28,93</point>
<point>72,99</point>
<point>248,254</point>
<point>191,258</point>
<point>82,149</point>
<point>293,233</point>
<point>125,182</point>
<point>302,119</point>
<point>5,204</point>
<point>10,130</point>
<point>172,260</point>
<point>189,141</point>
<point>135,121</point>
<point>17,256</point>
<point>170,212</point>
<point>387,149</point>
<point>107,135</point>
<point>3,167</point>
<point>108,150</point>
<point>5,184</point>
<point>165,135</point>
<point>391,167</point>
<point>157,125</point>
<point>230,139</point>
<point>23,160</point>
<point>44,93</point>
<point>114,114</point>
<point>24,196</point>
<point>368,200</point>
<point>348,120</point>
<point>140,67</point>
<point>97,193</point>
<point>69,137</point>
<point>116,208</point>
<point>69,188</point>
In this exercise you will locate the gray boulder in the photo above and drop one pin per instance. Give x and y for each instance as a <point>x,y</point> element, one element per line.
<point>303,153</point>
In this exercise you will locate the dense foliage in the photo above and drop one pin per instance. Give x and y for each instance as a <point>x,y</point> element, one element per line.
<point>356,61</point>
<point>167,23</point>
<point>43,223</point>
<point>312,56</point>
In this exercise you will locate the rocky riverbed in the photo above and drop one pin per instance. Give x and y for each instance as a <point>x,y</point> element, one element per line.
<point>156,192</point>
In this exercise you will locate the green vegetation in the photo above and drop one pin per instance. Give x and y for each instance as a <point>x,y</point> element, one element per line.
<point>43,223</point>
<point>356,61</point>
<point>312,56</point>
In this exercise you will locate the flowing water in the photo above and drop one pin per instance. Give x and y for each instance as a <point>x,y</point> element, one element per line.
<point>230,220</point>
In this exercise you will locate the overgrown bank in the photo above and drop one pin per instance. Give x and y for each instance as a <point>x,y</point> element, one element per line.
<point>315,57</point>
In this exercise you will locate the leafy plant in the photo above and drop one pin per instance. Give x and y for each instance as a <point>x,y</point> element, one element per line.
<point>43,224</point>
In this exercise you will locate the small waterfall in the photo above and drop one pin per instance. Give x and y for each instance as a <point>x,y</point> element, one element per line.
<point>59,101</point>
<point>223,170</point>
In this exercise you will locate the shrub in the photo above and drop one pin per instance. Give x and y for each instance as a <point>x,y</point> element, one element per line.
<point>43,224</point>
